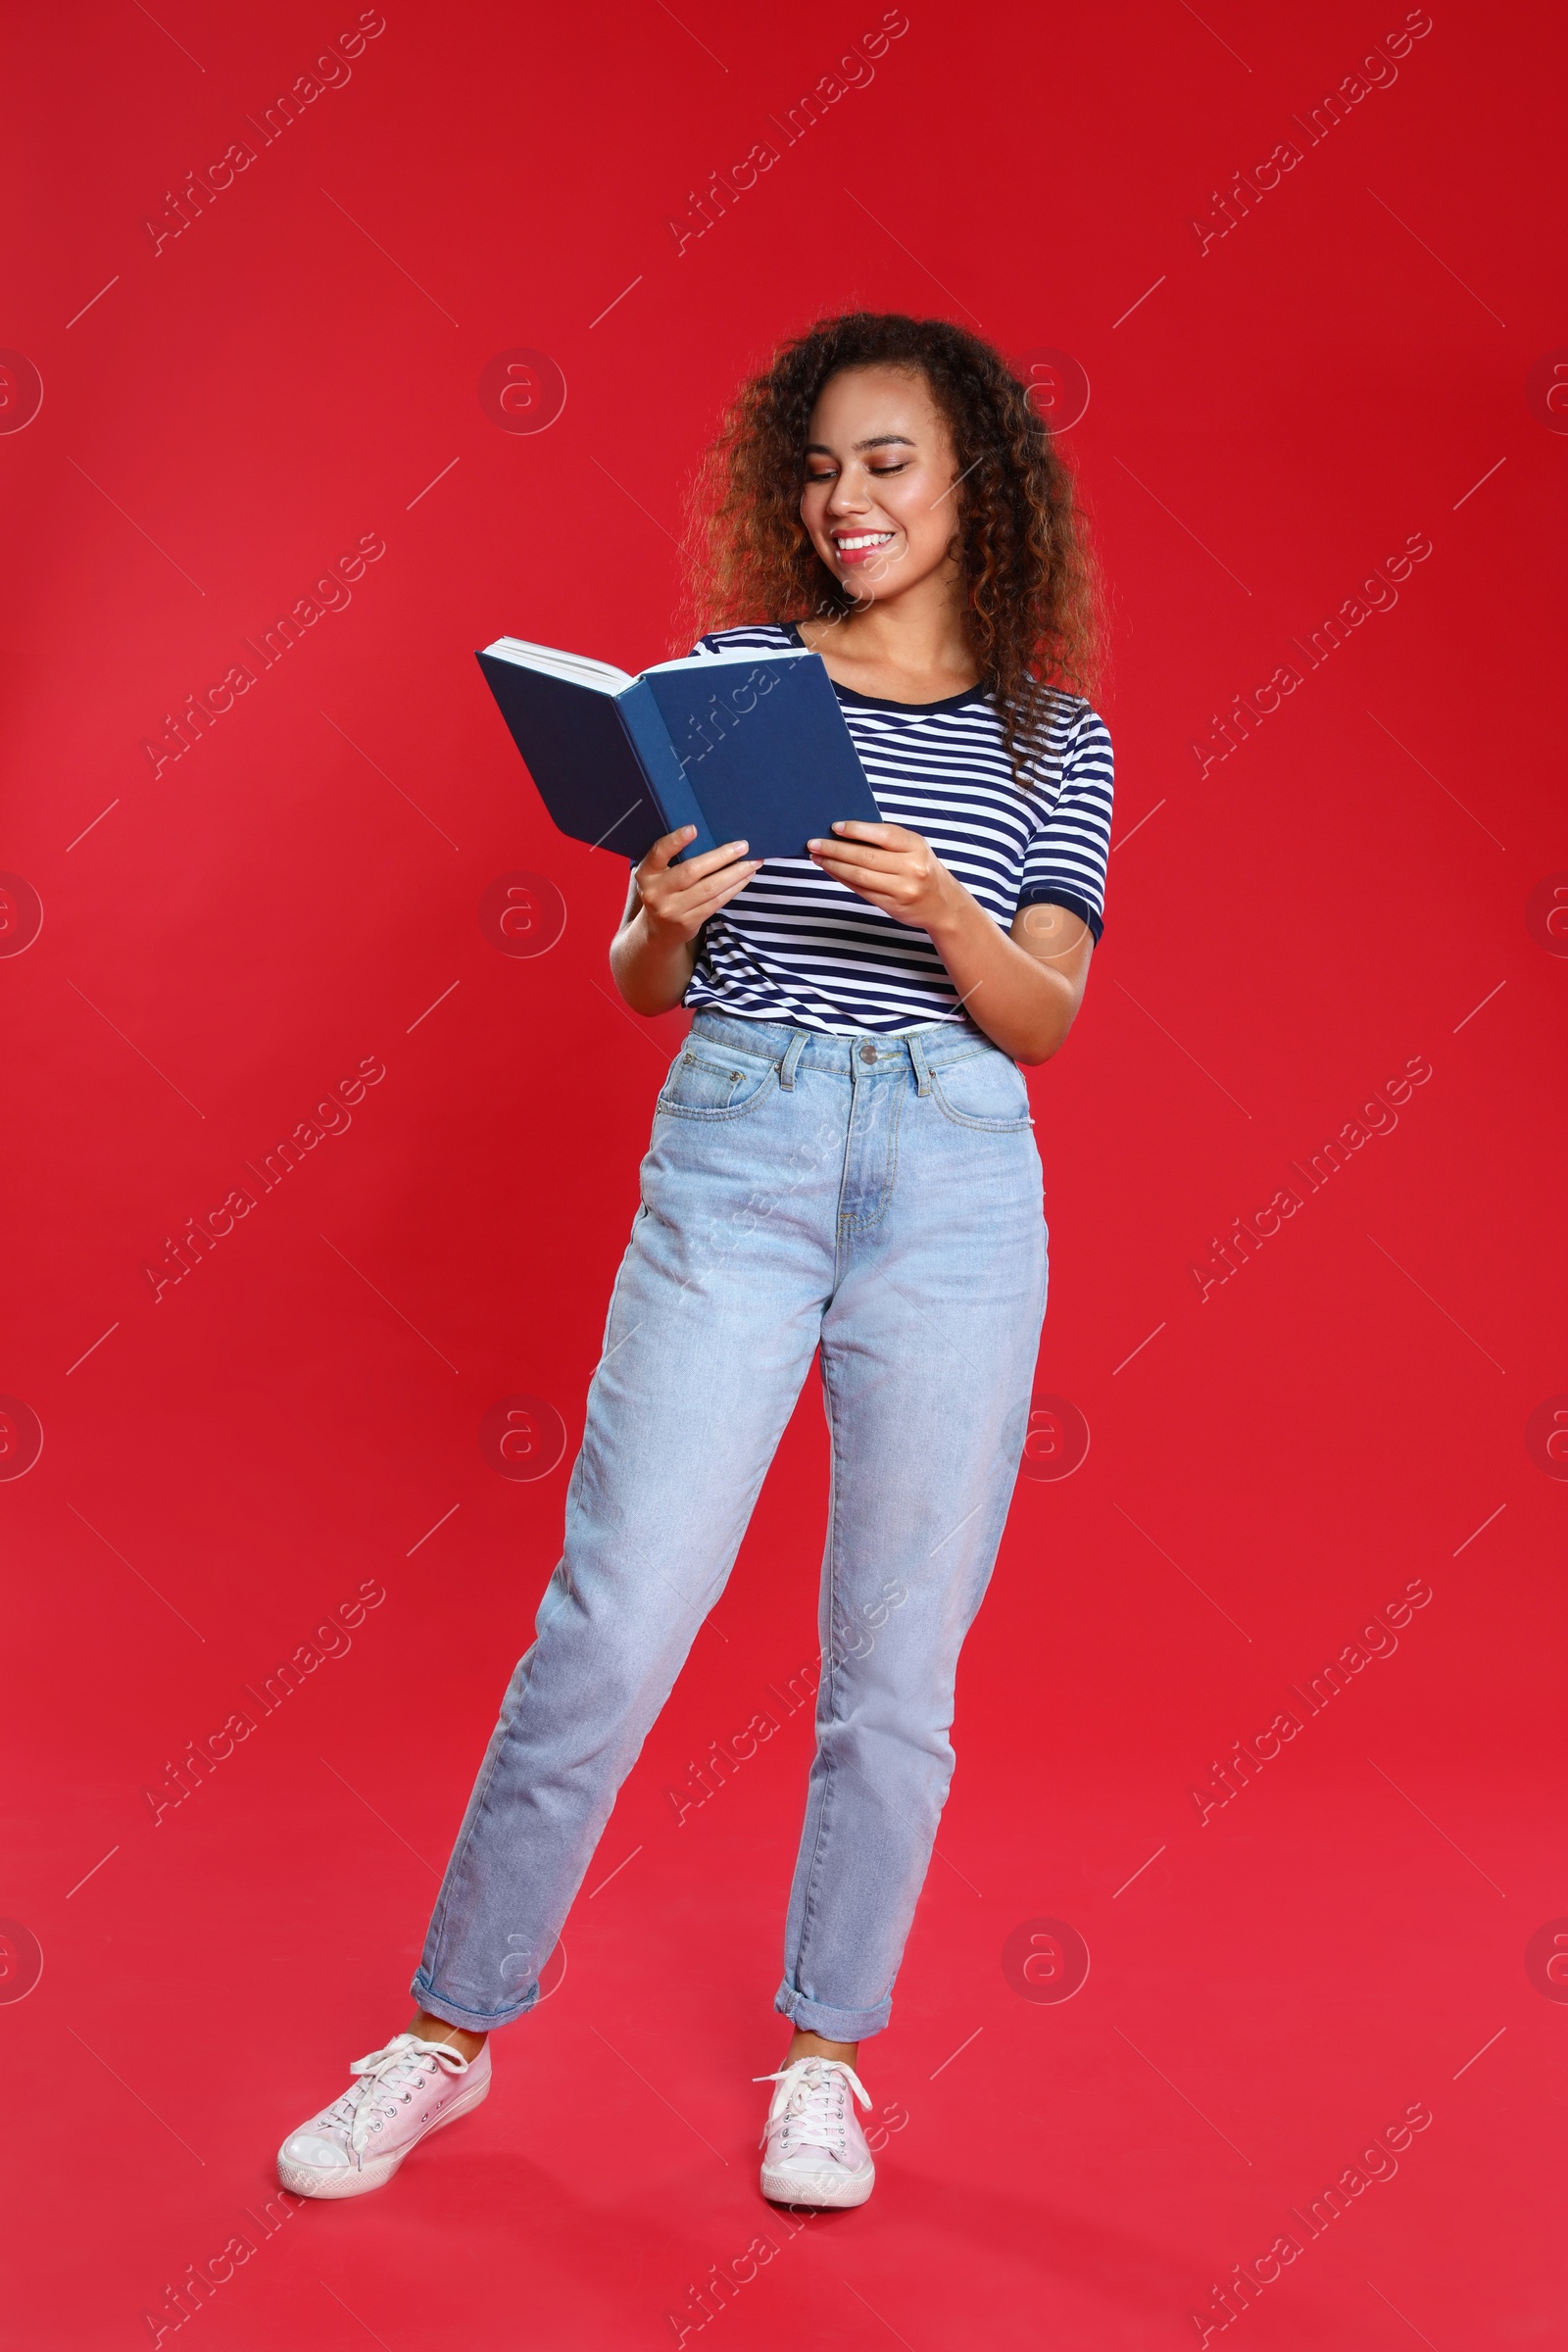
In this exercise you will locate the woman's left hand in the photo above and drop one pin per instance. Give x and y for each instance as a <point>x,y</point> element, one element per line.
<point>892,868</point>
<point>1021,987</point>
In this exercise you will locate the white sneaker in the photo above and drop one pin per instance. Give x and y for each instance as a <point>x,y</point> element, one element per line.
<point>404,2094</point>
<point>816,2151</point>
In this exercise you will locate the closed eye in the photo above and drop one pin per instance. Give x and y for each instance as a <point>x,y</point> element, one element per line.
<point>831,474</point>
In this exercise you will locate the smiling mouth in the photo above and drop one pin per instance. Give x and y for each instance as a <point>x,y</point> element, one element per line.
<point>861,543</point>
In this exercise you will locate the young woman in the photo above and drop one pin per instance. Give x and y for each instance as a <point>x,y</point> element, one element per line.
<point>842,1162</point>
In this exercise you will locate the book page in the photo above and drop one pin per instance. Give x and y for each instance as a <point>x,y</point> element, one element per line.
<point>749,653</point>
<point>580,669</point>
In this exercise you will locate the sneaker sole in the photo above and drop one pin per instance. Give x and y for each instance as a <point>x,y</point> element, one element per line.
<point>334,2180</point>
<point>833,2189</point>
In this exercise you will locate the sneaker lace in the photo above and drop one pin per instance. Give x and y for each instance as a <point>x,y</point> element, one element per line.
<point>387,2078</point>
<point>812,2112</point>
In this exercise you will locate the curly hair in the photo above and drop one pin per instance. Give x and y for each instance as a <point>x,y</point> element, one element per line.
<point>1031,584</point>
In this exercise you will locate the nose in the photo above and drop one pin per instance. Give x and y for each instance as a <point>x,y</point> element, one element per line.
<point>846,499</point>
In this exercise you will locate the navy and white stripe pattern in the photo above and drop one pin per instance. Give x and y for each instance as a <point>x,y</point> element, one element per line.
<point>795,945</point>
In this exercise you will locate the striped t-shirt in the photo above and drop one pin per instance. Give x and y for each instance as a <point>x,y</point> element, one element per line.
<point>796,946</point>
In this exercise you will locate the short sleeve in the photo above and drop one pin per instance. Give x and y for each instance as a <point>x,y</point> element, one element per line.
<point>1064,863</point>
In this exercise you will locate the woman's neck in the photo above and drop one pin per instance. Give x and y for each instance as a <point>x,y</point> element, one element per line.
<point>912,648</point>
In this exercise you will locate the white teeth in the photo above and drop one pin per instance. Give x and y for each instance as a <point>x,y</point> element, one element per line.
<point>864,539</point>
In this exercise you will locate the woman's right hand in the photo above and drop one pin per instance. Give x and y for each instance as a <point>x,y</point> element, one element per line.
<point>677,901</point>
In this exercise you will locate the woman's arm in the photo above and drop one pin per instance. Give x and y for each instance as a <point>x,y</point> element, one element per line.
<point>653,954</point>
<point>1022,990</point>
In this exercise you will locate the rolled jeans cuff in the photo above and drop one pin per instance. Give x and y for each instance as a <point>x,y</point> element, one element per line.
<point>834,2025</point>
<point>471,2021</point>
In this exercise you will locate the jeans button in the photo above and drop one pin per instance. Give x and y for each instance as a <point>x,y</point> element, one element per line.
<point>868,1053</point>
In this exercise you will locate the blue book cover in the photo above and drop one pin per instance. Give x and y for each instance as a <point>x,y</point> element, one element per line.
<point>747,747</point>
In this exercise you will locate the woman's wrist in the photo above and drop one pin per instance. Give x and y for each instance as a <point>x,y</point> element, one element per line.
<point>959,912</point>
<point>650,970</point>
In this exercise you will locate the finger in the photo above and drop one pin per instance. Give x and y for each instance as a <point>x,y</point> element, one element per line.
<point>665,848</point>
<point>733,877</point>
<point>854,828</point>
<point>857,869</point>
<point>731,890</point>
<point>711,861</point>
<point>740,870</point>
<point>695,906</point>
<point>858,852</point>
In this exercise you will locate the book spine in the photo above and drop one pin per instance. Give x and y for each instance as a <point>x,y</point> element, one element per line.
<point>661,763</point>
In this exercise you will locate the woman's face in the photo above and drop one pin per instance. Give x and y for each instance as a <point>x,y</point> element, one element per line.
<point>879,478</point>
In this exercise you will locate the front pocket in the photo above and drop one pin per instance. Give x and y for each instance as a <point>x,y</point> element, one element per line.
<point>707,1083</point>
<point>983,1090</point>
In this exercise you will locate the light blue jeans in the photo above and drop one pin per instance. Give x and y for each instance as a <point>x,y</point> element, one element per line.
<point>878,1199</point>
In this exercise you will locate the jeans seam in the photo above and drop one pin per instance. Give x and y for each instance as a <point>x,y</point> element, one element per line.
<point>851,1227</point>
<point>829,1778</point>
<point>491,1765</point>
<point>454,1867</point>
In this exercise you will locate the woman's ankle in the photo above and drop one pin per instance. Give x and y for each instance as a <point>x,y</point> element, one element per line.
<point>814,2046</point>
<point>436,2029</point>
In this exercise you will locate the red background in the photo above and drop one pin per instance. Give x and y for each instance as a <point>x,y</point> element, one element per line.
<point>221,943</point>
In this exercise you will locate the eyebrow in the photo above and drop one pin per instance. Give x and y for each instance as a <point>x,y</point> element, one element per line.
<point>819,449</point>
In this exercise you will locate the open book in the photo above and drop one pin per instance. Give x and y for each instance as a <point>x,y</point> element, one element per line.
<point>745,746</point>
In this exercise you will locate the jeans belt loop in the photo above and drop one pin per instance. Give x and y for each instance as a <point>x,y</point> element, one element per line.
<point>919,1065</point>
<point>792,1058</point>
